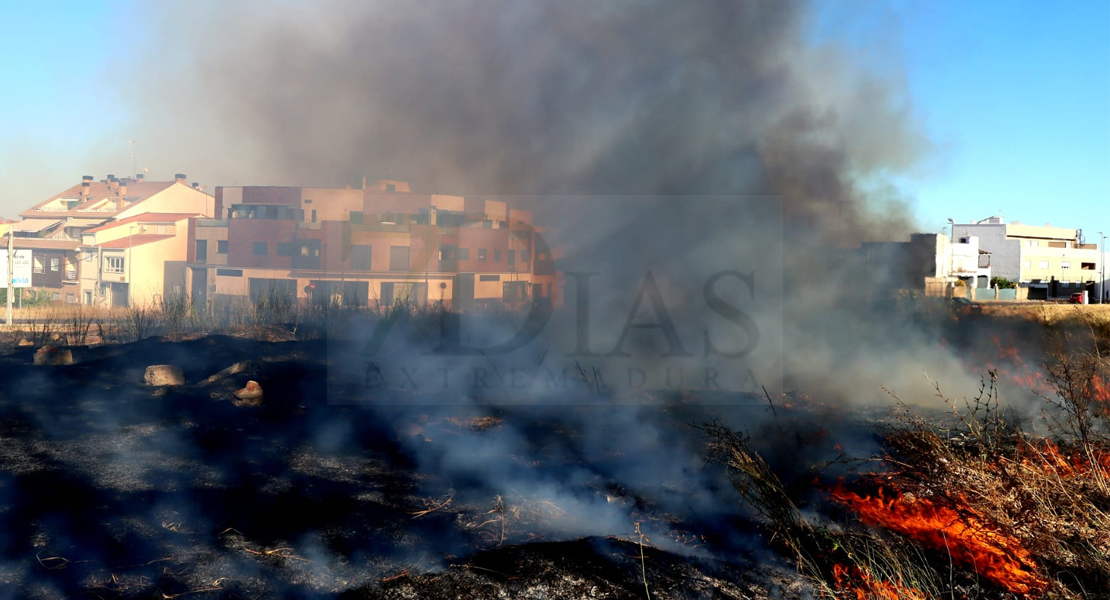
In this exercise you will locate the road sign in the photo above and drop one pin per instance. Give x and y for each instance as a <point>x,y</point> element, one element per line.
<point>22,269</point>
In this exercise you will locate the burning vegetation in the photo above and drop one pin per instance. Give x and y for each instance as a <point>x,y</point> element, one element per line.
<point>976,502</point>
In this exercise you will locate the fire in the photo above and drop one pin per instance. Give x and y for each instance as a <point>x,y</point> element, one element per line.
<point>860,583</point>
<point>1050,459</point>
<point>996,557</point>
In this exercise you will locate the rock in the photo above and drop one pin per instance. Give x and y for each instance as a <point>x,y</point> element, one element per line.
<point>50,355</point>
<point>238,367</point>
<point>250,395</point>
<point>26,342</point>
<point>160,375</point>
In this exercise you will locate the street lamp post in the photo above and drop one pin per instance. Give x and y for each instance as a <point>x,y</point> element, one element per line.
<point>951,248</point>
<point>1102,267</point>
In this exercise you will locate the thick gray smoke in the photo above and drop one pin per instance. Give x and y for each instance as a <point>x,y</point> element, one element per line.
<point>495,97</point>
<point>570,97</point>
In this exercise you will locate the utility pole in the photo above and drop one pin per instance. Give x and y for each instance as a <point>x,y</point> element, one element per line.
<point>11,274</point>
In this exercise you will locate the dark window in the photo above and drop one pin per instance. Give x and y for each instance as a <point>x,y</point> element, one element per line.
<point>229,272</point>
<point>398,258</point>
<point>360,258</point>
<point>314,215</point>
<point>260,249</point>
<point>356,217</point>
<point>489,278</point>
<point>512,257</point>
<point>389,187</point>
<point>221,247</point>
<point>524,256</point>
<point>285,248</point>
<point>514,291</point>
<point>55,264</point>
<point>497,255</point>
<point>202,251</point>
<point>481,254</point>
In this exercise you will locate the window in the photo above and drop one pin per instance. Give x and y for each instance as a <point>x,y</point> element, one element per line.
<point>481,254</point>
<point>55,264</point>
<point>524,256</point>
<point>229,272</point>
<point>56,296</point>
<point>489,278</point>
<point>285,248</point>
<point>71,298</point>
<point>221,247</point>
<point>360,258</point>
<point>202,251</point>
<point>512,257</point>
<point>260,248</point>
<point>1087,266</point>
<point>1065,264</point>
<point>398,258</point>
<point>88,297</point>
<point>1042,264</point>
<point>497,255</point>
<point>356,217</point>
<point>39,267</point>
<point>390,187</point>
<point>314,215</point>
<point>464,253</point>
<point>113,264</point>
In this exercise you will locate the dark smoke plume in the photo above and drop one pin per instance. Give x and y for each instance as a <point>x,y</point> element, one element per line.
<point>493,97</point>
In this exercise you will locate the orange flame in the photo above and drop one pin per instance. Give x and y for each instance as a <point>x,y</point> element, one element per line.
<point>996,557</point>
<point>859,582</point>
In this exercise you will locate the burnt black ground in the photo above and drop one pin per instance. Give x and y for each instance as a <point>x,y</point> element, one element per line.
<point>113,489</point>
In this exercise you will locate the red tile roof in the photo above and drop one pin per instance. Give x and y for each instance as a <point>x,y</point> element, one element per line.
<point>135,240</point>
<point>146,218</point>
<point>98,192</point>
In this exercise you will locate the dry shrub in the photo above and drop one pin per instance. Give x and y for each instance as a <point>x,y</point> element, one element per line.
<point>1049,493</point>
<point>860,563</point>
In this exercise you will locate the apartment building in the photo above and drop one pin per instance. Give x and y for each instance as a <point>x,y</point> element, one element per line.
<point>54,230</point>
<point>373,246</point>
<point>1049,261</point>
<point>924,262</point>
<point>123,262</point>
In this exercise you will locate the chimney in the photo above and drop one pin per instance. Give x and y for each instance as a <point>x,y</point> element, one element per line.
<point>364,182</point>
<point>122,189</point>
<point>114,184</point>
<point>139,178</point>
<point>196,186</point>
<point>180,177</point>
<point>86,181</point>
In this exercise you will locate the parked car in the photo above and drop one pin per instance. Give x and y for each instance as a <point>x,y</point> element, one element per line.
<point>1076,298</point>
<point>964,306</point>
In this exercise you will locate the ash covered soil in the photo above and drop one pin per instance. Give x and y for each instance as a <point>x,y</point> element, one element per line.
<point>110,488</point>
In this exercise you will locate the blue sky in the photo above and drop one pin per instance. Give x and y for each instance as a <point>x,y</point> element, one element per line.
<point>1015,95</point>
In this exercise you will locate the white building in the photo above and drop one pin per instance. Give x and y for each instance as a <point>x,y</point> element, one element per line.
<point>1049,261</point>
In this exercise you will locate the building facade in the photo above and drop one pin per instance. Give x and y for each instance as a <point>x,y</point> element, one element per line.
<point>1051,262</point>
<point>375,246</point>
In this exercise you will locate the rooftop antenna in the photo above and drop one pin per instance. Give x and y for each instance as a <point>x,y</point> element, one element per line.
<point>134,169</point>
